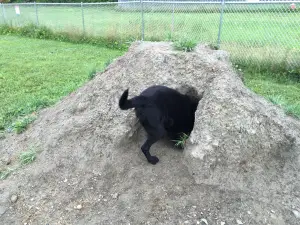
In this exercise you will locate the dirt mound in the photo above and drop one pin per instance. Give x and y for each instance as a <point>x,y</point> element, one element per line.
<point>241,163</point>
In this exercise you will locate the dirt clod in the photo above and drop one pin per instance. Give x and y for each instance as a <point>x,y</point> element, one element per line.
<point>239,222</point>
<point>13,198</point>
<point>296,213</point>
<point>78,207</point>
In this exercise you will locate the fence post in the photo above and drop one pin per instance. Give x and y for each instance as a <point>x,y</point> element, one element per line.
<point>221,23</point>
<point>82,15</point>
<point>36,14</point>
<point>3,12</point>
<point>143,22</point>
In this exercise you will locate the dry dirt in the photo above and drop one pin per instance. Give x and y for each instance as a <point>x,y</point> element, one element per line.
<point>240,166</point>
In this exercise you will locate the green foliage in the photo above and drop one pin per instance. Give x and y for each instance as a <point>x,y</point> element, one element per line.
<point>42,32</point>
<point>290,109</point>
<point>27,157</point>
<point>185,45</point>
<point>280,88</point>
<point>21,124</point>
<point>278,68</point>
<point>182,140</point>
<point>49,71</point>
<point>214,46</point>
<point>108,62</point>
<point>4,173</point>
<point>276,99</point>
<point>92,73</point>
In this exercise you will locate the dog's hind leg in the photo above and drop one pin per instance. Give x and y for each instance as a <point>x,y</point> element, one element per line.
<point>152,138</point>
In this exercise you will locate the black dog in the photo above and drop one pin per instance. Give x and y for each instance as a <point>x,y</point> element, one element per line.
<point>161,111</point>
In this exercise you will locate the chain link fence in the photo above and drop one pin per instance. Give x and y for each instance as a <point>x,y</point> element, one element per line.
<point>253,30</point>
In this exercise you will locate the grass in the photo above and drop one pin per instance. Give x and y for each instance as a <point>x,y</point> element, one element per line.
<point>182,140</point>
<point>185,45</point>
<point>243,26</point>
<point>264,34</point>
<point>42,32</point>
<point>27,157</point>
<point>21,124</point>
<point>35,74</point>
<point>5,173</point>
<point>290,109</point>
<point>281,89</point>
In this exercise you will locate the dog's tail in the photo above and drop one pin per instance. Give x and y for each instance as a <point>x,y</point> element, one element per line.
<point>135,102</point>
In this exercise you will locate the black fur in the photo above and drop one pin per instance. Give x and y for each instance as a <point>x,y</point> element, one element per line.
<point>161,111</point>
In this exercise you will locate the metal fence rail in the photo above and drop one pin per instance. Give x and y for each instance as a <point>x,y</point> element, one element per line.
<point>266,31</point>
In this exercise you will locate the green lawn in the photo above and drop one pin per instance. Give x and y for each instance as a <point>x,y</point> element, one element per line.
<point>37,73</point>
<point>278,88</point>
<point>246,26</point>
<point>250,32</point>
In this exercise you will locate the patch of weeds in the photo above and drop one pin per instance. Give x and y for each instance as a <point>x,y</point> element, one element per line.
<point>294,74</point>
<point>43,32</point>
<point>181,141</point>
<point>5,173</point>
<point>292,110</point>
<point>27,157</point>
<point>21,124</point>
<point>169,36</point>
<point>92,73</point>
<point>2,123</point>
<point>185,45</point>
<point>213,46</point>
<point>32,87</point>
<point>108,62</point>
<point>276,99</point>
<point>2,134</point>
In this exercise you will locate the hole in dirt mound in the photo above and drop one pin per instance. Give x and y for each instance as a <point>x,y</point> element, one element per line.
<point>175,142</point>
<point>195,96</point>
<point>192,92</point>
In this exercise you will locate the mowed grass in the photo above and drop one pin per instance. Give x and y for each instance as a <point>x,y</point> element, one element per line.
<point>280,89</point>
<point>37,73</point>
<point>263,33</point>
<point>242,23</point>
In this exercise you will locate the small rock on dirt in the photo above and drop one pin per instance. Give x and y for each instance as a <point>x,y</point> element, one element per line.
<point>239,222</point>
<point>204,221</point>
<point>13,198</point>
<point>6,160</point>
<point>296,213</point>
<point>78,206</point>
<point>115,195</point>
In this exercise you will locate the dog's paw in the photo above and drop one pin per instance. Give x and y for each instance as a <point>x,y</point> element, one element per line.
<point>153,160</point>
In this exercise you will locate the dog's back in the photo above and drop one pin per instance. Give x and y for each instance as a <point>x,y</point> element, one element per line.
<point>176,111</point>
<point>177,108</point>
